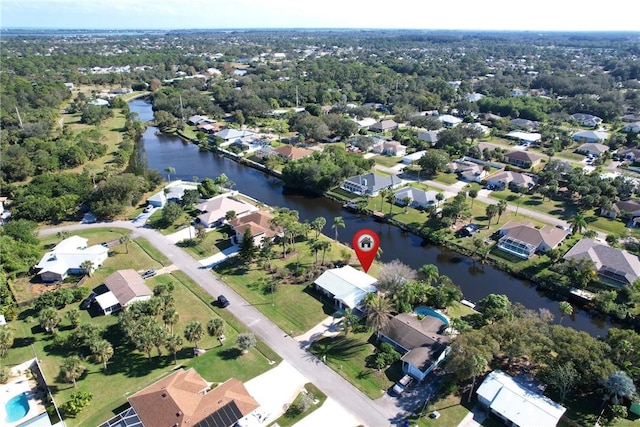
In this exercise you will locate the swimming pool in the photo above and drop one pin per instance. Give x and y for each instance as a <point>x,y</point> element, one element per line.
<point>426,311</point>
<point>17,407</point>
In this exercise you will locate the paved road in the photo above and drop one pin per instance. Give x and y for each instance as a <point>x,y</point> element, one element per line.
<point>368,412</point>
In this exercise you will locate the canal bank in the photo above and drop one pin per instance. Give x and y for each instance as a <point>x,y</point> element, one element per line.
<point>475,279</point>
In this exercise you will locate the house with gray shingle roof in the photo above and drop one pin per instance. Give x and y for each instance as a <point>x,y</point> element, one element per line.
<point>517,180</point>
<point>630,206</point>
<point>523,159</point>
<point>370,183</point>
<point>590,136</point>
<point>592,148</point>
<point>423,342</point>
<point>615,266</point>
<point>384,126</point>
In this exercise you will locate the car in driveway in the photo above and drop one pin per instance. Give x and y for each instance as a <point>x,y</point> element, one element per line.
<point>223,301</point>
<point>86,303</point>
<point>402,385</point>
<point>148,273</point>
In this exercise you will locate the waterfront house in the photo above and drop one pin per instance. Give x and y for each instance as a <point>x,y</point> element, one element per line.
<point>258,223</point>
<point>615,266</point>
<point>214,210</point>
<point>593,149</point>
<point>173,192</point>
<point>523,159</point>
<point>68,257</point>
<point>231,135</point>
<point>346,287</point>
<point>422,342</point>
<point>184,399</point>
<point>126,287</point>
<point>289,152</point>
<point>516,403</point>
<point>370,184</point>
<point>418,198</point>
<point>524,239</point>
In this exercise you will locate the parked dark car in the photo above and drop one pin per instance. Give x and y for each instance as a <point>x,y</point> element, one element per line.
<point>86,303</point>
<point>223,301</point>
<point>148,273</point>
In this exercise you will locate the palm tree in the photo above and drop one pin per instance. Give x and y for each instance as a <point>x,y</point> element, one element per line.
<point>502,208</point>
<point>6,340</point>
<point>384,194</point>
<point>170,317</point>
<point>49,319</point>
<point>478,367</point>
<point>215,327</point>
<point>125,240</point>
<point>406,201</point>
<point>169,170</point>
<point>74,317</point>
<point>349,320</point>
<point>324,247</point>
<point>491,211</point>
<point>618,385</point>
<point>102,351</point>
<point>194,332</point>
<point>316,246</point>
<point>430,272</point>
<point>565,309</point>
<point>72,369</point>
<point>173,343</point>
<point>578,223</point>
<point>87,267</point>
<point>391,198</point>
<point>473,193</point>
<point>337,222</point>
<point>318,224</point>
<point>378,312</point>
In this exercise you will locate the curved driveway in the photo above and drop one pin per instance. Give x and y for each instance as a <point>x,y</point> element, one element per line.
<point>367,411</point>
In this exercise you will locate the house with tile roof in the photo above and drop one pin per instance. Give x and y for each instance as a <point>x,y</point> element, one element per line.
<point>517,404</point>
<point>289,152</point>
<point>214,210</point>
<point>394,148</point>
<point>615,266</point>
<point>346,287</point>
<point>523,159</point>
<point>370,183</point>
<point>68,257</point>
<point>422,342</point>
<point>258,223</point>
<point>125,288</point>
<point>524,239</point>
<point>185,399</point>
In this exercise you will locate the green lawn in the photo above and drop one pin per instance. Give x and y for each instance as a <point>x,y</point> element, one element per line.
<point>387,161</point>
<point>155,221</point>
<point>129,370</point>
<point>446,178</point>
<point>348,357</point>
<point>215,241</point>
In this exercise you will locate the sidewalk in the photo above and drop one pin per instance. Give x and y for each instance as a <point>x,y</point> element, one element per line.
<point>219,257</point>
<point>475,418</point>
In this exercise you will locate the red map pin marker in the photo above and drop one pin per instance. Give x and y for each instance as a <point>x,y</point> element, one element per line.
<point>366,243</point>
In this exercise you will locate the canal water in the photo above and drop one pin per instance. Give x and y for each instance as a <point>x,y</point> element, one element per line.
<point>475,280</point>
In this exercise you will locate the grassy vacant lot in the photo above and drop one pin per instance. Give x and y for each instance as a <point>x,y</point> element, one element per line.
<point>215,241</point>
<point>129,370</point>
<point>387,161</point>
<point>294,414</point>
<point>445,178</point>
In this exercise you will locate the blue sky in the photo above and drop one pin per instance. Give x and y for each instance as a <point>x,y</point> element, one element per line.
<point>539,15</point>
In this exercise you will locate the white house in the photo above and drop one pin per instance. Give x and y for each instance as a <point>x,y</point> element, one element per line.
<point>516,404</point>
<point>413,157</point>
<point>526,137</point>
<point>346,286</point>
<point>370,183</point>
<point>449,120</point>
<point>67,258</point>
<point>419,198</point>
<point>125,288</point>
<point>587,120</point>
<point>394,148</point>
<point>590,136</point>
<point>173,192</point>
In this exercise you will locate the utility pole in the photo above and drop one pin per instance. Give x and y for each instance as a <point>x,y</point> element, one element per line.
<point>19,118</point>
